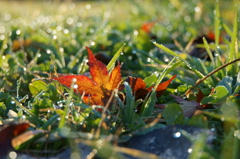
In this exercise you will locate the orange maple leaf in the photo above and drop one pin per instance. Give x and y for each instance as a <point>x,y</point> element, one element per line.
<point>139,87</point>
<point>98,89</point>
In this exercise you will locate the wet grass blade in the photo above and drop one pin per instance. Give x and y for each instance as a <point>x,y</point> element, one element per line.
<point>170,52</point>
<point>233,47</point>
<point>148,106</point>
<point>207,47</point>
<point>111,64</point>
<point>217,26</point>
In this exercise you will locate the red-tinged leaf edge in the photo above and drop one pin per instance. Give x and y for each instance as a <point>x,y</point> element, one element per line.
<point>199,96</point>
<point>97,69</point>
<point>162,86</point>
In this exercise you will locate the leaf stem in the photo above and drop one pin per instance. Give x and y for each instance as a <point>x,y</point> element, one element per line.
<point>208,75</point>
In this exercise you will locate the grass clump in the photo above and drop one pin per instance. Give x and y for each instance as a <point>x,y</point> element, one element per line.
<point>42,41</point>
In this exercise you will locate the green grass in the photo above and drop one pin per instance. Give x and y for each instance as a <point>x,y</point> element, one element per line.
<point>44,38</point>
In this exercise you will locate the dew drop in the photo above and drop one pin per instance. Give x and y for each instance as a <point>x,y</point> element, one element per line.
<point>18,32</point>
<point>237,134</point>
<point>65,31</point>
<point>166,59</point>
<point>222,119</point>
<point>197,9</point>
<point>39,55</point>
<point>75,86</point>
<point>2,29</point>
<point>176,134</point>
<point>121,53</point>
<point>59,28</point>
<point>135,32</point>
<point>48,51</point>
<point>75,155</point>
<point>148,59</point>
<point>79,24</point>
<point>71,104</point>
<point>49,111</point>
<point>12,155</point>
<point>3,57</point>
<point>129,57</point>
<point>71,6</point>
<point>88,6</point>
<point>12,102</point>
<point>134,51</point>
<point>61,49</point>
<point>60,105</point>
<point>49,30</point>
<point>55,37</point>
<point>190,150</point>
<point>7,17</point>
<point>58,119</point>
<point>91,30</point>
<point>156,73</point>
<point>92,43</point>
<point>2,37</point>
<point>54,32</point>
<point>69,20</point>
<point>169,27</point>
<point>74,80</point>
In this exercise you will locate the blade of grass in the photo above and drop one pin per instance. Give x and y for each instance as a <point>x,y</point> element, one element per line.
<point>148,106</point>
<point>65,112</point>
<point>170,52</point>
<point>207,47</point>
<point>129,103</point>
<point>227,29</point>
<point>111,64</point>
<point>233,48</point>
<point>217,26</point>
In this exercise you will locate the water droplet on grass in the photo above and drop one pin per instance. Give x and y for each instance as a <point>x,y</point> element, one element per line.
<point>92,43</point>
<point>69,20</point>
<point>39,55</point>
<point>2,37</point>
<point>88,6</point>
<point>12,155</point>
<point>176,134</point>
<point>65,31</point>
<point>135,32</point>
<point>190,150</point>
<point>72,6</point>
<point>75,86</point>
<point>18,32</point>
<point>61,49</point>
<point>79,24</point>
<point>2,29</point>
<point>48,51</point>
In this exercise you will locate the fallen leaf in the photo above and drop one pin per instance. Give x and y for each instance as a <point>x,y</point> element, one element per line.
<point>98,89</point>
<point>139,87</point>
<point>8,133</point>
<point>148,26</point>
<point>188,107</point>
